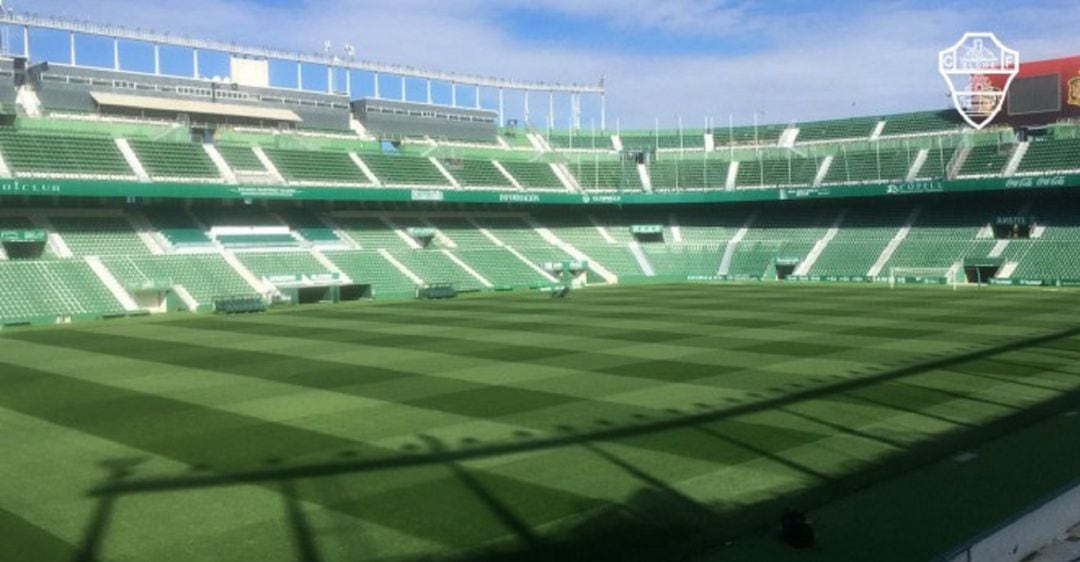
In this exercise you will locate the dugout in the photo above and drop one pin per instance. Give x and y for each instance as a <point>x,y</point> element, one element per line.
<point>982,270</point>
<point>24,244</point>
<point>436,291</point>
<point>423,235</point>
<point>785,267</point>
<point>1017,227</point>
<point>156,296</point>
<point>325,294</point>
<point>648,233</point>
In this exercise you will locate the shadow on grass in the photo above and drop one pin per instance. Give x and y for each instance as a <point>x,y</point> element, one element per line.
<point>657,522</point>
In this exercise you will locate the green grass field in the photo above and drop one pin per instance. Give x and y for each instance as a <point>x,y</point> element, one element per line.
<point>649,423</point>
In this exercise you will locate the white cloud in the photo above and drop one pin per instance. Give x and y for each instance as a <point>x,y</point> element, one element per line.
<point>881,56</point>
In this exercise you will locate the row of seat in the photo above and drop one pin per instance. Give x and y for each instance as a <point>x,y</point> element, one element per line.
<point>46,153</point>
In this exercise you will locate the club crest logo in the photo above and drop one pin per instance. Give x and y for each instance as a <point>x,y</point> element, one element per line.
<point>979,70</point>
<point>1074,92</point>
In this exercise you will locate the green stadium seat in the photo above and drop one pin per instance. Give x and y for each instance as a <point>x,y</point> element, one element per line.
<point>53,154</point>
<point>316,166</point>
<point>533,175</point>
<point>99,236</point>
<point>172,160</point>
<point>401,170</point>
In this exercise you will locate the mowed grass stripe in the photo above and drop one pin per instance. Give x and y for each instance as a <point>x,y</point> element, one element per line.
<point>21,540</point>
<point>745,458</point>
<point>221,441</point>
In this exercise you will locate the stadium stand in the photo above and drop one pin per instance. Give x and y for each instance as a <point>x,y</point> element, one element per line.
<point>278,264</point>
<point>762,134</point>
<point>663,140</point>
<point>53,154</point>
<point>171,160</point>
<point>241,158</point>
<point>865,232</point>
<point>920,123</point>
<point>476,173</point>
<point>877,165</point>
<point>773,172</point>
<point>690,173</point>
<point>177,226</point>
<point>937,162</point>
<point>987,159</point>
<point>316,166</point>
<point>370,268</point>
<point>404,170</point>
<point>533,175</point>
<point>69,288</point>
<point>942,237</point>
<point>435,267</point>
<point>854,128</point>
<point>310,226</point>
<point>204,276</point>
<point>1052,155</point>
<point>99,236</point>
<point>580,140</point>
<point>372,233</point>
<point>603,175</point>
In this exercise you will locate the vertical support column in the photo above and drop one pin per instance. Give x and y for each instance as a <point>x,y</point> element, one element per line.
<point>26,41</point>
<point>477,97</point>
<point>195,62</point>
<point>157,59</point>
<point>403,86</point>
<point>603,111</point>
<point>116,54</point>
<point>299,75</point>
<point>527,115</point>
<point>575,109</point>
<point>375,77</point>
<point>71,45</point>
<point>551,111</point>
<point>348,82</point>
<point>329,78</point>
<point>502,106</point>
<point>430,99</point>
<point>453,94</point>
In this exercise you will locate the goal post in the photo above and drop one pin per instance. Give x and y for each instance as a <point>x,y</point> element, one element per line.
<point>952,276</point>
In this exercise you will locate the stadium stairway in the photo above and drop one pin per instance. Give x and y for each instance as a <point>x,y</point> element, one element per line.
<point>56,243</point>
<point>733,243</point>
<point>256,284</point>
<point>498,242</point>
<point>807,264</point>
<point>222,166</point>
<point>890,249</point>
<point>573,252</point>
<point>110,282</point>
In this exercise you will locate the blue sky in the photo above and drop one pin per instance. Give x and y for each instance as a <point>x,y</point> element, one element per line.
<point>782,60</point>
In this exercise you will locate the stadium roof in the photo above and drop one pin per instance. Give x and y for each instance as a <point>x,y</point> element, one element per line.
<point>199,107</point>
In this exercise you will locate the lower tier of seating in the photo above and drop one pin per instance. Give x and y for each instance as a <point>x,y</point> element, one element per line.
<point>59,288</point>
<point>395,250</point>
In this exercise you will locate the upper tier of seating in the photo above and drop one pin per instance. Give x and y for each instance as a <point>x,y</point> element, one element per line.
<point>580,140</point>
<point>62,154</point>
<point>857,127</point>
<point>606,175</point>
<point>404,170</point>
<point>537,175</point>
<point>316,166</point>
<point>92,150</point>
<point>1052,155</point>
<point>476,173</point>
<point>172,160</point>
<point>920,123</point>
<point>709,173</point>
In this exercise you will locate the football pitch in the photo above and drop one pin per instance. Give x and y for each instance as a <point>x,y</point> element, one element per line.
<point>645,422</point>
